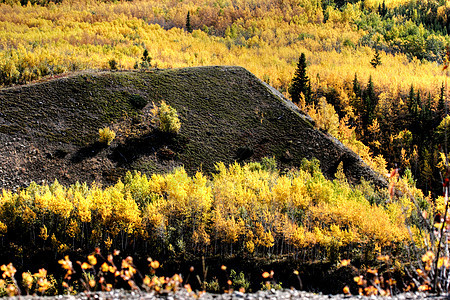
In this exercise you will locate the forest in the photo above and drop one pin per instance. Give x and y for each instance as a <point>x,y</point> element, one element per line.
<point>246,210</point>
<point>390,113</point>
<point>371,73</point>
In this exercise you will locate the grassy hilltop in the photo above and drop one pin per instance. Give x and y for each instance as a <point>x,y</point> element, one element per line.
<point>226,113</point>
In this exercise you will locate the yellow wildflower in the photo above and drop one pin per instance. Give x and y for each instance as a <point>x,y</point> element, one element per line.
<point>8,270</point>
<point>85,266</point>
<point>92,259</point>
<point>154,264</point>
<point>345,262</point>
<point>104,267</point>
<point>27,279</point>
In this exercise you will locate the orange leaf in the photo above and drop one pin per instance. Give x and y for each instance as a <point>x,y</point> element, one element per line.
<point>346,290</point>
<point>345,262</point>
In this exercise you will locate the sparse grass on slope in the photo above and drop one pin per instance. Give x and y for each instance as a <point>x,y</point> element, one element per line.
<point>226,115</point>
<point>70,111</point>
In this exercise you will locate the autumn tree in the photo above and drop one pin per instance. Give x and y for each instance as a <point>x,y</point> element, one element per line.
<point>300,83</point>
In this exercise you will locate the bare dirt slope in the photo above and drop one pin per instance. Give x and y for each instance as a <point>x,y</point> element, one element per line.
<point>49,130</point>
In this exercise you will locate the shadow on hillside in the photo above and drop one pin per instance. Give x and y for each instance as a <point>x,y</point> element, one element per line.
<point>163,145</point>
<point>88,152</point>
<point>244,153</point>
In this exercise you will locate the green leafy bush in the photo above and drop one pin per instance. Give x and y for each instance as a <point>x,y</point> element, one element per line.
<point>146,60</point>
<point>113,64</point>
<point>239,281</point>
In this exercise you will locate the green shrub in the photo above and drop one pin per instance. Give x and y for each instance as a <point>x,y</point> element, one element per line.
<point>146,60</point>
<point>213,286</point>
<point>112,64</point>
<point>271,285</point>
<point>239,281</point>
<point>269,164</point>
<point>106,135</point>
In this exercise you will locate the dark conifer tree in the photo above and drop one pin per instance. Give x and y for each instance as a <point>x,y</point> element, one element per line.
<point>146,60</point>
<point>376,60</point>
<point>357,102</point>
<point>411,99</point>
<point>441,103</point>
<point>427,117</point>
<point>383,9</point>
<point>300,83</point>
<point>417,104</point>
<point>428,112</point>
<point>370,102</point>
<point>356,86</point>
<point>188,22</point>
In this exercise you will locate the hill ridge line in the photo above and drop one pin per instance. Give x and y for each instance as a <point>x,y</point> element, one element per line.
<point>50,128</point>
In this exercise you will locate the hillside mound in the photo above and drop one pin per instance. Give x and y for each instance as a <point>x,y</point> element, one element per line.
<point>49,130</point>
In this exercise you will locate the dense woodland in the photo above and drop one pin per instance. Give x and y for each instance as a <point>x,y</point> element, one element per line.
<point>248,210</point>
<point>371,73</point>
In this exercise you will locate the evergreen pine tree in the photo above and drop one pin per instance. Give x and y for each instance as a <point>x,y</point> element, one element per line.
<point>356,86</point>
<point>383,10</point>
<point>427,116</point>
<point>358,95</point>
<point>376,60</point>
<point>441,103</point>
<point>428,112</point>
<point>370,103</point>
<point>417,103</point>
<point>188,22</point>
<point>416,118</point>
<point>146,60</point>
<point>411,99</point>
<point>300,83</point>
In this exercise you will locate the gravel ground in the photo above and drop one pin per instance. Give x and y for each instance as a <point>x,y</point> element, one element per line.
<point>260,295</point>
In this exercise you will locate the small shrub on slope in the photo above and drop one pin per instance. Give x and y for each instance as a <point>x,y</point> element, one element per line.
<point>167,118</point>
<point>106,135</point>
